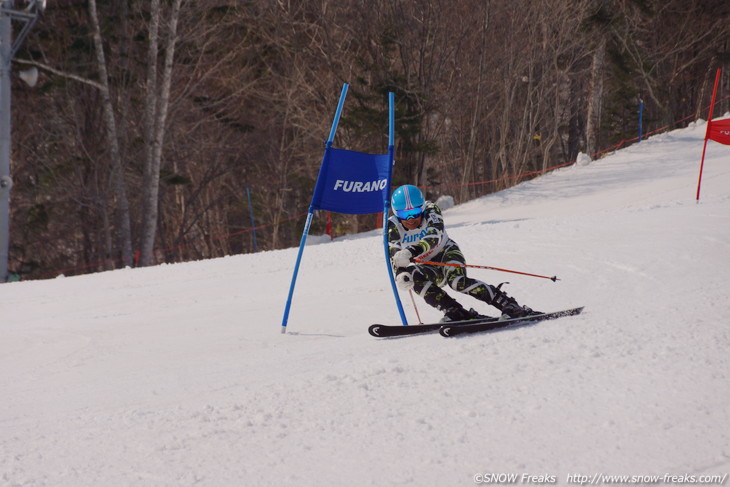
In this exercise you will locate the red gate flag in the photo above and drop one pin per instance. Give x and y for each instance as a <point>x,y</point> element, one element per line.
<point>719,131</point>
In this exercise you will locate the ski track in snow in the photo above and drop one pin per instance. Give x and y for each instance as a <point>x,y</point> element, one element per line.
<point>177,375</point>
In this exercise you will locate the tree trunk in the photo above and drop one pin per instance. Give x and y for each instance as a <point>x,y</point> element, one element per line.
<point>155,118</point>
<point>595,97</point>
<point>466,174</point>
<point>124,231</point>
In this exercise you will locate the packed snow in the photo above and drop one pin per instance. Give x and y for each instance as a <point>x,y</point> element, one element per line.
<point>178,375</point>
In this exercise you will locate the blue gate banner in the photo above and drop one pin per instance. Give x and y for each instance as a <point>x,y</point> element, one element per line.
<point>351,182</point>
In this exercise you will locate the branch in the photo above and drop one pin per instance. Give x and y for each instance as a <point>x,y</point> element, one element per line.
<point>63,74</point>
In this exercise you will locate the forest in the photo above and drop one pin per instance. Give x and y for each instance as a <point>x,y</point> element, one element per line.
<point>173,130</point>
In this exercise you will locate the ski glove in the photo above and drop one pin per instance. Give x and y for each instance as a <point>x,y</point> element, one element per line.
<point>402,258</point>
<point>404,281</point>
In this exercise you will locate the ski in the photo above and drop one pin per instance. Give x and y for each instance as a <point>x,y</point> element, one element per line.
<point>384,331</point>
<point>447,330</point>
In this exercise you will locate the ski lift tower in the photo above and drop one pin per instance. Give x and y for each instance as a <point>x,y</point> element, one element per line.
<point>25,13</point>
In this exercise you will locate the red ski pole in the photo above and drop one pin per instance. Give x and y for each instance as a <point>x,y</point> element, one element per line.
<point>418,315</point>
<point>449,264</point>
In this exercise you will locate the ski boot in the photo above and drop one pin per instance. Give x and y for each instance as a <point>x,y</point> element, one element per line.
<point>508,306</point>
<point>460,314</point>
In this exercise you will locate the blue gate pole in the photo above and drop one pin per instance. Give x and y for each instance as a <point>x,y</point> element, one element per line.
<point>641,117</point>
<point>386,206</point>
<point>310,213</point>
<point>253,222</point>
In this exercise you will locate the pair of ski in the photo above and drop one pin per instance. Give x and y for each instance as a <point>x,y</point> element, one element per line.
<point>455,328</point>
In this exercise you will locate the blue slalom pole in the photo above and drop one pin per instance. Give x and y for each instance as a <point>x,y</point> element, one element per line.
<point>391,120</point>
<point>386,206</point>
<point>302,243</point>
<point>336,120</point>
<point>641,118</point>
<point>310,213</point>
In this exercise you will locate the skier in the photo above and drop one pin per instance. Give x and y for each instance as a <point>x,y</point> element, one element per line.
<point>416,231</point>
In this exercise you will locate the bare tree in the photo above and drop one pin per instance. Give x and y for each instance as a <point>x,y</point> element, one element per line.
<point>124,231</point>
<point>595,97</point>
<point>664,39</point>
<point>469,159</point>
<point>156,109</point>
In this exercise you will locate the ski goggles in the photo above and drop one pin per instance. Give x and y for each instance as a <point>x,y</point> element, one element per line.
<point>410,213</point>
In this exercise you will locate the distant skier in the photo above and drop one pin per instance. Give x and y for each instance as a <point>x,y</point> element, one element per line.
<point>416,230</point>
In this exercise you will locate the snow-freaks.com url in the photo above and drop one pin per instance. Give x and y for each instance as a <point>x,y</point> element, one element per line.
<point>603,479</point>
<point>599,479</point>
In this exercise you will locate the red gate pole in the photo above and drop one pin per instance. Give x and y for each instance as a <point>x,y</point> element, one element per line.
<point>707,133</point>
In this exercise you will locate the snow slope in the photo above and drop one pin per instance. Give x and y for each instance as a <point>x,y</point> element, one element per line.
<point>178,376</point>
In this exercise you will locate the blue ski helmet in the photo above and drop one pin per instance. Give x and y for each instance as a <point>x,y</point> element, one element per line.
<point>407,202</point>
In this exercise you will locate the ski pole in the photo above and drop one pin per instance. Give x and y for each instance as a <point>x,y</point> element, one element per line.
<point>418,315</point>
<point>450,264</point>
